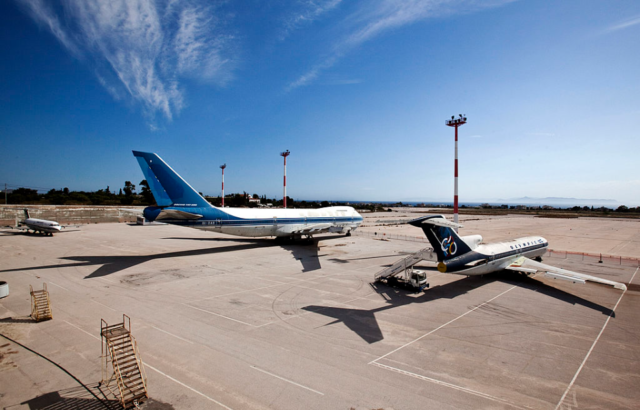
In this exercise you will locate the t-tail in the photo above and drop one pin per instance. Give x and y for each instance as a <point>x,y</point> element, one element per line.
<point>442,236</point>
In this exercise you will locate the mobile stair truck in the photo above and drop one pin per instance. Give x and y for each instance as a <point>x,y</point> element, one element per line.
<point>402,274</point>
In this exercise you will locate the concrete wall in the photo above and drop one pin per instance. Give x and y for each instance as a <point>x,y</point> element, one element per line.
<point>70,214</point>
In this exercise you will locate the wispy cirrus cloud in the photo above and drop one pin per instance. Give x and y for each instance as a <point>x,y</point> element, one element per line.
<point>305,12</point>
<point>375,17</point>
<point>621,25</point>
<point>143,48</point>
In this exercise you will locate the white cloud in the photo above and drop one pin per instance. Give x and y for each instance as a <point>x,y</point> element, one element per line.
<point>374,18</point>
<point>623,24</point>
<point>305,12</point>
<point>142,47</point>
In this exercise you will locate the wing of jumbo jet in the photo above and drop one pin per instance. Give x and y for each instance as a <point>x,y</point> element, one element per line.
<point>312,229</point>
<point>176,214</point>
<point>527,265</point>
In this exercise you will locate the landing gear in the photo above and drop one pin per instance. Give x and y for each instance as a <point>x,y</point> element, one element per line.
<point>294,239</point>
<point>348,233</point>
<point>538,259</point>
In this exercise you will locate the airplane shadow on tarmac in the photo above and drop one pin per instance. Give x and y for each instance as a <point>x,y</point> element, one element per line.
<point>365,325</point>
<point>306,252</point>
<point>113,264</point>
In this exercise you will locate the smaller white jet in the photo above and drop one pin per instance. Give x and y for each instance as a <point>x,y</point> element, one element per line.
<point>467,255</point>
<point>39,225</point>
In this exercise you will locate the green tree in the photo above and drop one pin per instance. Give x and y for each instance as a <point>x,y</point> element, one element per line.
<point>146,193</point>
<point>129,189</point>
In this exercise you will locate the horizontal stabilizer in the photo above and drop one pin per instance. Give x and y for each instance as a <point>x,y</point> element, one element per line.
<point>442,222</point>
<point>176,214</point>
<point>437,220</point>
<point>393,221</point>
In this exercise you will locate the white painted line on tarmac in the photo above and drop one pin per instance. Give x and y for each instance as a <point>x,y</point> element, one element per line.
<point>102,304</point>
<point>241,291</point>
<point>270,286</point>
<point>171,334</point>
<point>452,386</point>
<point>163,374</point>
<point>286,380</point>
<point>55,284</point>
<point>594,344</point>
<point>441,326</point>
<point>190,388</point>
<point>83,331</point>
<point>313,311</point>
<point>219,315</point>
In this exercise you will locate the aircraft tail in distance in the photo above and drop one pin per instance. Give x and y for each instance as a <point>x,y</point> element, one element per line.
<point>441,234</point>
<point>168,188</point>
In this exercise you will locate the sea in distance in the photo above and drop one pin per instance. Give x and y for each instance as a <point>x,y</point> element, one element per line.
<point>558,205</point>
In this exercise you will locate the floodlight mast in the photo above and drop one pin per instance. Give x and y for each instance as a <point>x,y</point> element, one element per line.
<point>456,122</point>
<point>284,199</point>
<point>222,167</point>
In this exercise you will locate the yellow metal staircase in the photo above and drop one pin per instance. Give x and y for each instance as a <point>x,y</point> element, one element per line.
<point>40,304</point>
<point>122,363</point>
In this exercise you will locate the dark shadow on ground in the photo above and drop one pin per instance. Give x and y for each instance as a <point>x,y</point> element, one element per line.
<point>532,283</point>
<point>113,264</point>
<point>23,319</point>
<point>364,323</point>
<point>304,250</point>
<point>76,398</point>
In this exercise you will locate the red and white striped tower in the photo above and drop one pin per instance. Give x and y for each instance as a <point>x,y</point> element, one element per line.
<point>285,155</point>
<point>456,122</point>
<point>223,166</point>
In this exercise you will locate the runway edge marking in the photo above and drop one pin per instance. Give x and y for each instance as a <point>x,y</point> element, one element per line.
<point>441,326</point>
<point>450,385</point>
<point>439,382</point>
<point>575,377</point>
<point>286,380</point>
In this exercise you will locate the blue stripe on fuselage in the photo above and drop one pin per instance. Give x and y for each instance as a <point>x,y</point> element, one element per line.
<point>216,217</point>
<point>462,262</point>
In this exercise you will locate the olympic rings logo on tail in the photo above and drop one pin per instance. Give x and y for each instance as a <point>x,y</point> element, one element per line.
<point>449,246</point>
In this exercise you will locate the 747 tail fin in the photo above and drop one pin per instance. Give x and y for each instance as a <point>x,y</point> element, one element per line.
<point>168,188</point>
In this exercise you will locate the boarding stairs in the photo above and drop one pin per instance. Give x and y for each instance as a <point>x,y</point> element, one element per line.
<point>121,364</point>
<point>40,304</point>
<point>405,264</point>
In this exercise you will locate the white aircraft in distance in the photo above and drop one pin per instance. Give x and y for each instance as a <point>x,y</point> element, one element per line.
<point>467,255</point>
<point>39,225</point>
<point>180,204</point>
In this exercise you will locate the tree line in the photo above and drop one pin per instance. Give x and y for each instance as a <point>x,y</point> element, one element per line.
<point>127,195</point>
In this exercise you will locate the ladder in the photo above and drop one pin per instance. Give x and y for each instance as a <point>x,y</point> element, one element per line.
<point>122,364</point>
<point>40,304</point>
<point>405,264</point>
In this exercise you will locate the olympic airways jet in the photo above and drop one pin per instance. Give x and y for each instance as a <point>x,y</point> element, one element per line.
<point>180,204</point>
<point>466,255</point>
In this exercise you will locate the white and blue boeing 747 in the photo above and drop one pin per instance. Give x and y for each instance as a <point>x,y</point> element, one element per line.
<point>180,204</point>
<point>467,255</point>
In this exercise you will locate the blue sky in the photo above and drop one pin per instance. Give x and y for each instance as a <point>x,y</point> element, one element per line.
<point>358,91</point>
